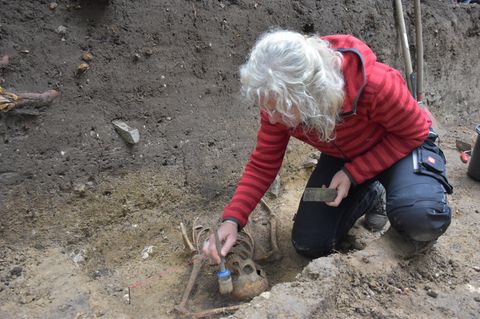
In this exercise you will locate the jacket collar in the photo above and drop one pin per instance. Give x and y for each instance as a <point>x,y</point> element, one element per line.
<point>352,92</point>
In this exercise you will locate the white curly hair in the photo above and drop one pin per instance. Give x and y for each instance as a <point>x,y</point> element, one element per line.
<point>296,71</point>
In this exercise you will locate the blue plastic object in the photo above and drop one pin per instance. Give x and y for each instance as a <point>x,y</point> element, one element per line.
<point>224,274</point>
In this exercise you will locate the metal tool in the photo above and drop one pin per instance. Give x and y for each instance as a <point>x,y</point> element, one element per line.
<point>318,194</point>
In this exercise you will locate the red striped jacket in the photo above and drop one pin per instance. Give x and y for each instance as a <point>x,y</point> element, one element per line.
<point>380,124</point>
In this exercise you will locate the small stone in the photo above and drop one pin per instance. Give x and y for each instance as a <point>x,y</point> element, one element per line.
<point>361,311</point>
<point>147,251</point>
<point>82,68</point>
<point>79,189</point>
<point>102,272</point>
<point>26,300</point>
<point>52,5</point>
<point>310,163</point>
<point>453,263</point>
<point>266,294</point>
<point>16,271</point>
<point>148,52</point>
<point>87,57</point>
<point>359,245</point>
<point>275,187</point>
<point>129,135</point>
<point>78,256</point>
<point>476,268</point>
<point>432,293</point>
<point>136,57</point>
<point>61,29</point>
<point>477,299</point>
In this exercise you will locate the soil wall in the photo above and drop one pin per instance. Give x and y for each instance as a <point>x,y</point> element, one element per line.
<point>169,69</point>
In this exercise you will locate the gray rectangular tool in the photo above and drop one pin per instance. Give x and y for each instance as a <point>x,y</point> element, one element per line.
<point>316,194</point>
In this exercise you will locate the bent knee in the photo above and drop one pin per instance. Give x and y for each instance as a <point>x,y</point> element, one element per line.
<point>313,249</point>
<point>422,221</point>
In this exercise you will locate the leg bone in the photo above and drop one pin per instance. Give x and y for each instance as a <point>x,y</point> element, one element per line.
<point>198,261</point>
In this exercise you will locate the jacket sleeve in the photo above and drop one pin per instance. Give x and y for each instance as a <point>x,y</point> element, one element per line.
<point>260,171</point>
<point>405,123</point>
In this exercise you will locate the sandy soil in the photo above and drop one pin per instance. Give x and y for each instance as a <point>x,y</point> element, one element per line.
<point>78,205</point>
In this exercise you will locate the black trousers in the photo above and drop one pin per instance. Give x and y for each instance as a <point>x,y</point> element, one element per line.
<point>417,208</point>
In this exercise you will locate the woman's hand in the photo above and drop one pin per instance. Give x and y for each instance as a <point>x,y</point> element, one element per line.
<point>341,183</point>
<point>227,233</point>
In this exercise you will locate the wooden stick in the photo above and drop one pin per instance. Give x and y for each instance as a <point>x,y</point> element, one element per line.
<point>419,47</point>
<point>404,40</point>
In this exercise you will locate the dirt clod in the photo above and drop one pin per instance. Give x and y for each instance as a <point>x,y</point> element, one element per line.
<point>16,271</point>
<point>61,30</point>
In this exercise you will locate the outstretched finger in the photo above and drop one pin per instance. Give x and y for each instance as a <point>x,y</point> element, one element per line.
<point>214,254</point>
<point>210,250</point>
<point>229,242</point>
